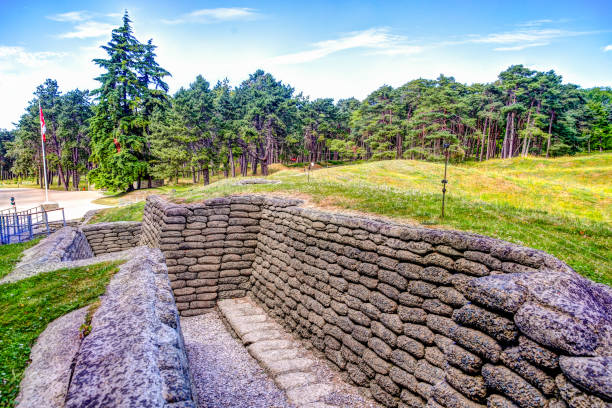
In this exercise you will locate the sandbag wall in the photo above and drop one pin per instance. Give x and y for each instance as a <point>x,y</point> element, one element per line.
<point>106,237</point>
<point>209,247</point>
<point>422,317</point>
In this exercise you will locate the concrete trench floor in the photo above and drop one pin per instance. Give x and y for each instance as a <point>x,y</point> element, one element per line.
<point>261,365</point>
<point>223,372</point>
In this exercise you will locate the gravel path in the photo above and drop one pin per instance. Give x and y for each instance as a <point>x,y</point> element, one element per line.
<point>224,373</point>
<point>22,272</point>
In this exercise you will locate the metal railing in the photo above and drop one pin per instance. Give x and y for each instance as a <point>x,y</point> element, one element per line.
<point>20,226</point>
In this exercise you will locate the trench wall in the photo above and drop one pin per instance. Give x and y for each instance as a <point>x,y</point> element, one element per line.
<point>422,317</point>
<point>65,244</point>
<point>106,237</point>
<point>135,354</point>
<point>209,247</point>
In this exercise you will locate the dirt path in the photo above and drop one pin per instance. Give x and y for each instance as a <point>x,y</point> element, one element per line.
<point>75,203</point>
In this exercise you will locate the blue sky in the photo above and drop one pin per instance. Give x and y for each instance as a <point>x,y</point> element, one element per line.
<point>332,49</point>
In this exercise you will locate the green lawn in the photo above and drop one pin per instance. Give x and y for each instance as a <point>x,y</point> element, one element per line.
<point>27,306</point>
<point>130,212</point>
<point>11,254</point>
<point>562,206</point>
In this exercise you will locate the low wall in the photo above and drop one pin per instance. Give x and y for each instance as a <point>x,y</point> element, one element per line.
<point>135,354</point>
<point>106,237</point>
<point>420,316</point>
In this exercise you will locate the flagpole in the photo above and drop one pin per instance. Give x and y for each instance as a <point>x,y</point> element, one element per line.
<point>42,143</point>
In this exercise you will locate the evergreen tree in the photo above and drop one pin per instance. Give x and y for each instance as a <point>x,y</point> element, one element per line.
<point>269,115</point>
<point>119,128</point>
<point>6,161</point>
<point>73,123</point>
<point>186,135</point>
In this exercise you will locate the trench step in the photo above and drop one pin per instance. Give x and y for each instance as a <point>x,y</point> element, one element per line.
<point>294,369</point>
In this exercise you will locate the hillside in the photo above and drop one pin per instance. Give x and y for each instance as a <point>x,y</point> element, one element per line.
<point>562,206</point>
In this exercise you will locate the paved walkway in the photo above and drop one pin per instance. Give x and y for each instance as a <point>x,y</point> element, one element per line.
<point>75,203</point>
<point>307,380</point>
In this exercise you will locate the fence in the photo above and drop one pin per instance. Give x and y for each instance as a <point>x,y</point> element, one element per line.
<point>20,226</point>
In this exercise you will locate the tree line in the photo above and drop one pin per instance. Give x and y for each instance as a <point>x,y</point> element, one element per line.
<point>130,130</point>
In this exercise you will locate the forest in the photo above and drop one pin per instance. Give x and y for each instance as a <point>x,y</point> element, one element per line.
<point>130,130</point>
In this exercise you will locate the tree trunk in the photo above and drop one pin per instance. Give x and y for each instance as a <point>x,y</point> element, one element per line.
<point>206,174</point>
<point>398,145</point>
<point>243,164</point>
<point>482,143</point>
<point>552,118</point>
<point>61,178</point>
<point>75,160</point>
<point>512,135</point>
<point>505,142</point>
<point>231,160</point>
<point>76,179</point>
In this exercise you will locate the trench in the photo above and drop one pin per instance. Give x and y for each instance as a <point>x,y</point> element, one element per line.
<point>284,305</point>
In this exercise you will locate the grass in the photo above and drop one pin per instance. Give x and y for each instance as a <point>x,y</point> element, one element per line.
<point>562,206</point>
<point>11,254</point>
<point>29,305</point>
<point>130,212</point>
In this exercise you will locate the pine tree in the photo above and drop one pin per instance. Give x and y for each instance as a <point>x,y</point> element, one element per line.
<point>119,128</point>
<point>186,136</point>
<point>268,115</point>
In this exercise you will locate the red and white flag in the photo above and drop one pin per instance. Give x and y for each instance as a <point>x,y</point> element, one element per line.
<point>43,128</point>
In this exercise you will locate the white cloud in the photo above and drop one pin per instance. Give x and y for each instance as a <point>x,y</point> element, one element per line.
<point>520,39</point>
<point>26,70</point>
<point>521,36</point>
<point>400,50</point>
<point>71,16</point>
<point>89,29</point>
<point>521,46</point>
<point>216,15</point>
<point>608,48</point>
<point>536,23</point>
<point>377,39</point>
<point>10,57</point>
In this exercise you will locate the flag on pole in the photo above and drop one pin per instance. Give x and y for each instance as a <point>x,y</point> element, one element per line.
<point>43,128</point>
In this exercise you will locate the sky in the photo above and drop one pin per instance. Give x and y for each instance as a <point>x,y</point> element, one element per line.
<point>336,49</point>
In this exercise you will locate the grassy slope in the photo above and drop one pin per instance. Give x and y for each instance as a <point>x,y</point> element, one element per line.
<point>131,212</point>
<point>27,306</point>
<point>11,254</point>
<point>562,206</point>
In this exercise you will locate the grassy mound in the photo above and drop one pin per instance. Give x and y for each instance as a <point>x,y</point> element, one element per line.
<point>562,206</point>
